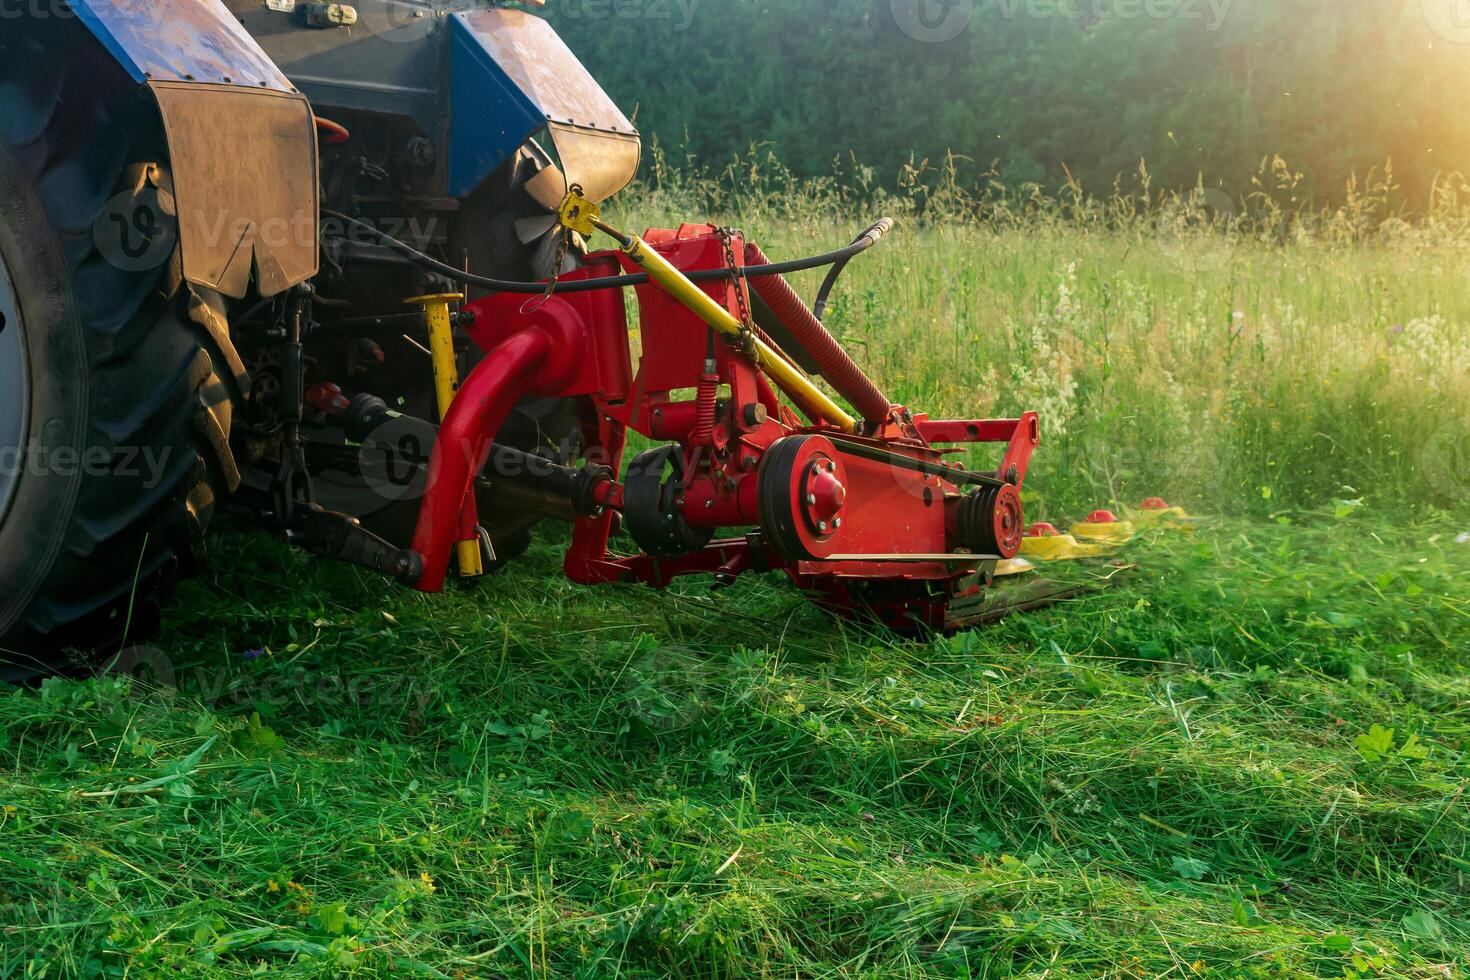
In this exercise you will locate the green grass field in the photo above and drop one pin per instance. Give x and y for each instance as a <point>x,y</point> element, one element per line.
<point>1246,757</point>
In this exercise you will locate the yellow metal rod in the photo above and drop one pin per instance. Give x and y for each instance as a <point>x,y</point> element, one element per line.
<point>446,386</point>
<point>677,285</point>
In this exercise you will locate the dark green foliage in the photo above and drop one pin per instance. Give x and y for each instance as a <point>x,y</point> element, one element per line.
<point>1201,88</point>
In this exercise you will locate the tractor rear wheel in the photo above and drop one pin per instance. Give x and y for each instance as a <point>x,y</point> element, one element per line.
<point>117,380</point>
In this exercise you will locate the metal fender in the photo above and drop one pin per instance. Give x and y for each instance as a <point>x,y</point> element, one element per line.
<point>511,76</point>
<point>241,139</point>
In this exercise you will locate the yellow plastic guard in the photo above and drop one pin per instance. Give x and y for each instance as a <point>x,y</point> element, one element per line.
<point>1154,513</point>
<point>1059,547</point>
<point>1103,526</point>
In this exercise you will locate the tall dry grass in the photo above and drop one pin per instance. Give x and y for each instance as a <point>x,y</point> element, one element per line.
<point>1238,355</point>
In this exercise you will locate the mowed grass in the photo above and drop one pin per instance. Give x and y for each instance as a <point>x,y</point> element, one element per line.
<point>1246,756</point>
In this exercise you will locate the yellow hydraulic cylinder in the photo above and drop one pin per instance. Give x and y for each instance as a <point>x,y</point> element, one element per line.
<point>577,214</point>
<point>790,380</point>
<point>446,386</point>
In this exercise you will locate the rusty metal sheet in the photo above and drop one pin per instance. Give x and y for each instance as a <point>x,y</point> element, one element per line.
<point>601,163</point>
<point>180,41</point>
<point>245,185</point>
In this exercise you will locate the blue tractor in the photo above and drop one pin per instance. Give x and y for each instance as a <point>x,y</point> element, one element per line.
<point>195,197</point>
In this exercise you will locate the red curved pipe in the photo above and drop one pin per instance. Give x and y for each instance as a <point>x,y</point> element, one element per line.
<point>837,367</point>
<point>332,133</point>
<point>508,373</point>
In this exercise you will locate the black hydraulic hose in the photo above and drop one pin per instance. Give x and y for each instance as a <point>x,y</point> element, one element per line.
<point>862,243</point>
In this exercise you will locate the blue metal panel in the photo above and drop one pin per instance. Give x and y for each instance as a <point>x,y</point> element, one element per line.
<point>510,76</point>
<point>180,41</point>
<point>490,117</point>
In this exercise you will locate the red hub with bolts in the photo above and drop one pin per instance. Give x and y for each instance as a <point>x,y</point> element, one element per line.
<point>803,493</point>
<point>823,495</point>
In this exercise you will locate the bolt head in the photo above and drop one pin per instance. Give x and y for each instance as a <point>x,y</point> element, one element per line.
<point>821,525</point>
<point>836,522</point>
<point>811,500</point>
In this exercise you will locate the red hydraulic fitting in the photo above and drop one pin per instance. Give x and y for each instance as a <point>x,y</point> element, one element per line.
<point>327,399</point>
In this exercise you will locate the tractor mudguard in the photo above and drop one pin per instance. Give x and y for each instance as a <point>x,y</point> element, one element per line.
<point>241,139</point>
<point>511,76</point>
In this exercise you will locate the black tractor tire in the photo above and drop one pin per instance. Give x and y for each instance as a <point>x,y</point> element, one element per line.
<point>129,378</point>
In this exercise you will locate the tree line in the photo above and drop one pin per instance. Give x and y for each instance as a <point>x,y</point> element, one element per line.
<point>1044,91</point>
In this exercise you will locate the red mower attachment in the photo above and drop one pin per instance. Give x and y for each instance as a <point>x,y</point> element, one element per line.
<point>758,468</point>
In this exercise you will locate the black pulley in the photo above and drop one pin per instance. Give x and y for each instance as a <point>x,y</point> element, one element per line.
<point>990,521</point>
<point>650,505</point>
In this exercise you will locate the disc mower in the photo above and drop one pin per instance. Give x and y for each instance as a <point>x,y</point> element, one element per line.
<point>344,268</point>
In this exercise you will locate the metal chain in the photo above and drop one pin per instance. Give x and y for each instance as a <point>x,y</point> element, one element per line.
<point>746,342</point>
<point>564,238</point>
